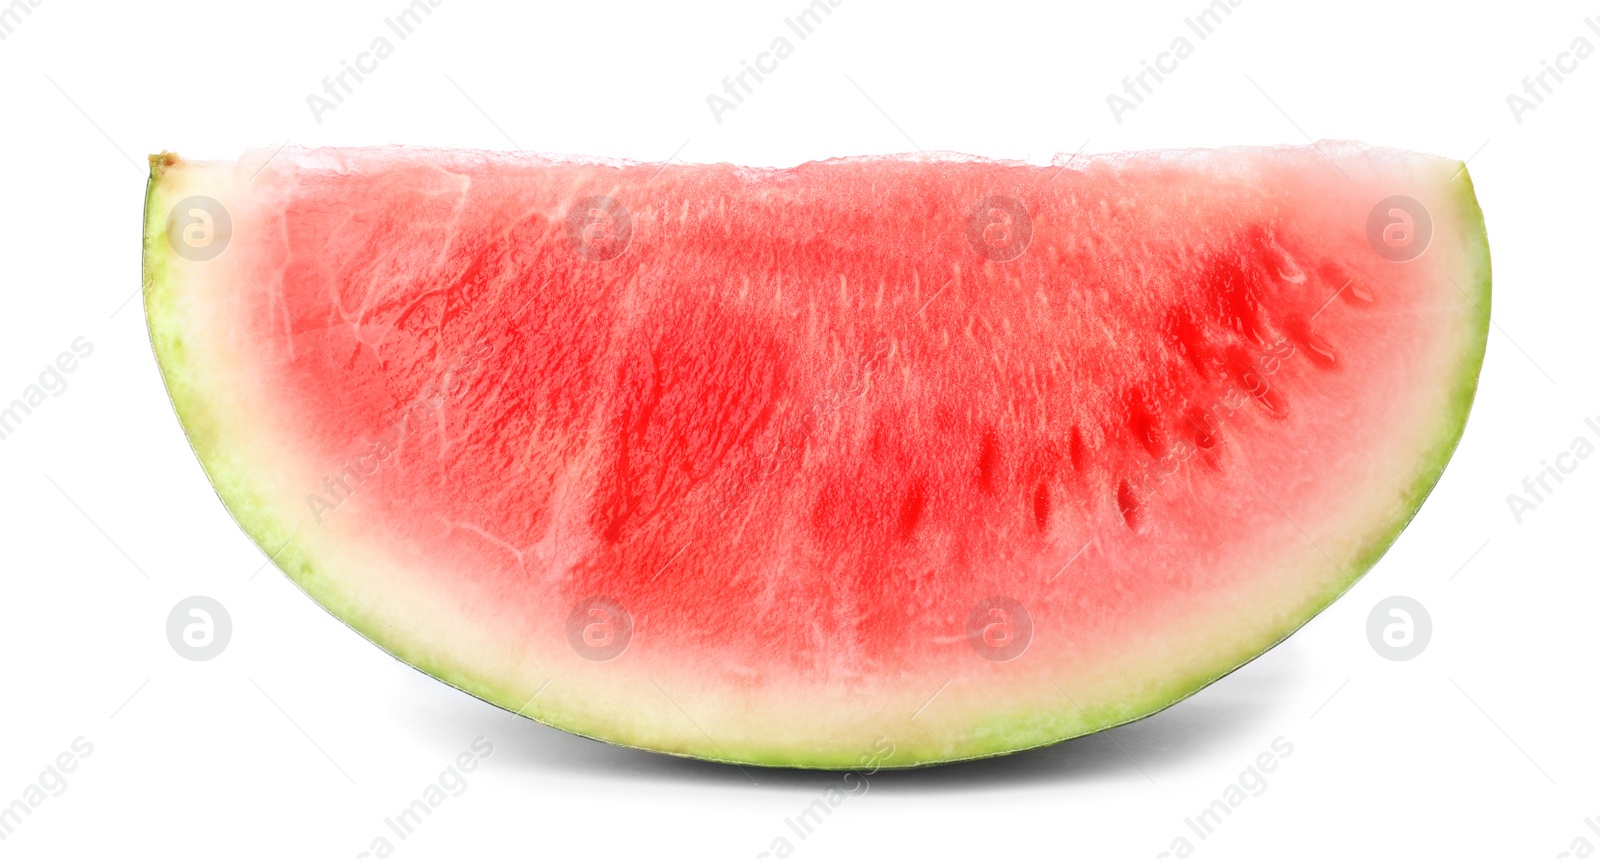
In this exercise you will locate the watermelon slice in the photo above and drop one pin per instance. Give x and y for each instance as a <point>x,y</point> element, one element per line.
<point>885,461</point>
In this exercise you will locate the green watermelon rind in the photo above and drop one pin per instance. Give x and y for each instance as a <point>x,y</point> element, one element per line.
<point>1477,290</point>
<point>1002,734</point>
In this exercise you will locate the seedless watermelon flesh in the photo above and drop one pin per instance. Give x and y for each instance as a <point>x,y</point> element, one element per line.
<point>888,460</point>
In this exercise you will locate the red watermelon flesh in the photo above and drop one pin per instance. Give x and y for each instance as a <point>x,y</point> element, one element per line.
<point>900,459</point>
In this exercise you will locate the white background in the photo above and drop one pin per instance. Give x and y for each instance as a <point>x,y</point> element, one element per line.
<point>302,737</point>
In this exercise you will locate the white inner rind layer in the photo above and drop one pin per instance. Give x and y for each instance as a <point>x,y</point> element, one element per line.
<point>197,313</point>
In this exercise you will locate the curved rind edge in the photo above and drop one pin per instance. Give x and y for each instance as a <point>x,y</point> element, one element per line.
<point>1478,291</point>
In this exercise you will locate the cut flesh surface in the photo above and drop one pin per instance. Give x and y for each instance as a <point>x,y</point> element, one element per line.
<point>889,460</point>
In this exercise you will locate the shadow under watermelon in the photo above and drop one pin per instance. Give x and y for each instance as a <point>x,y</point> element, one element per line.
<point>1254,703</point>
